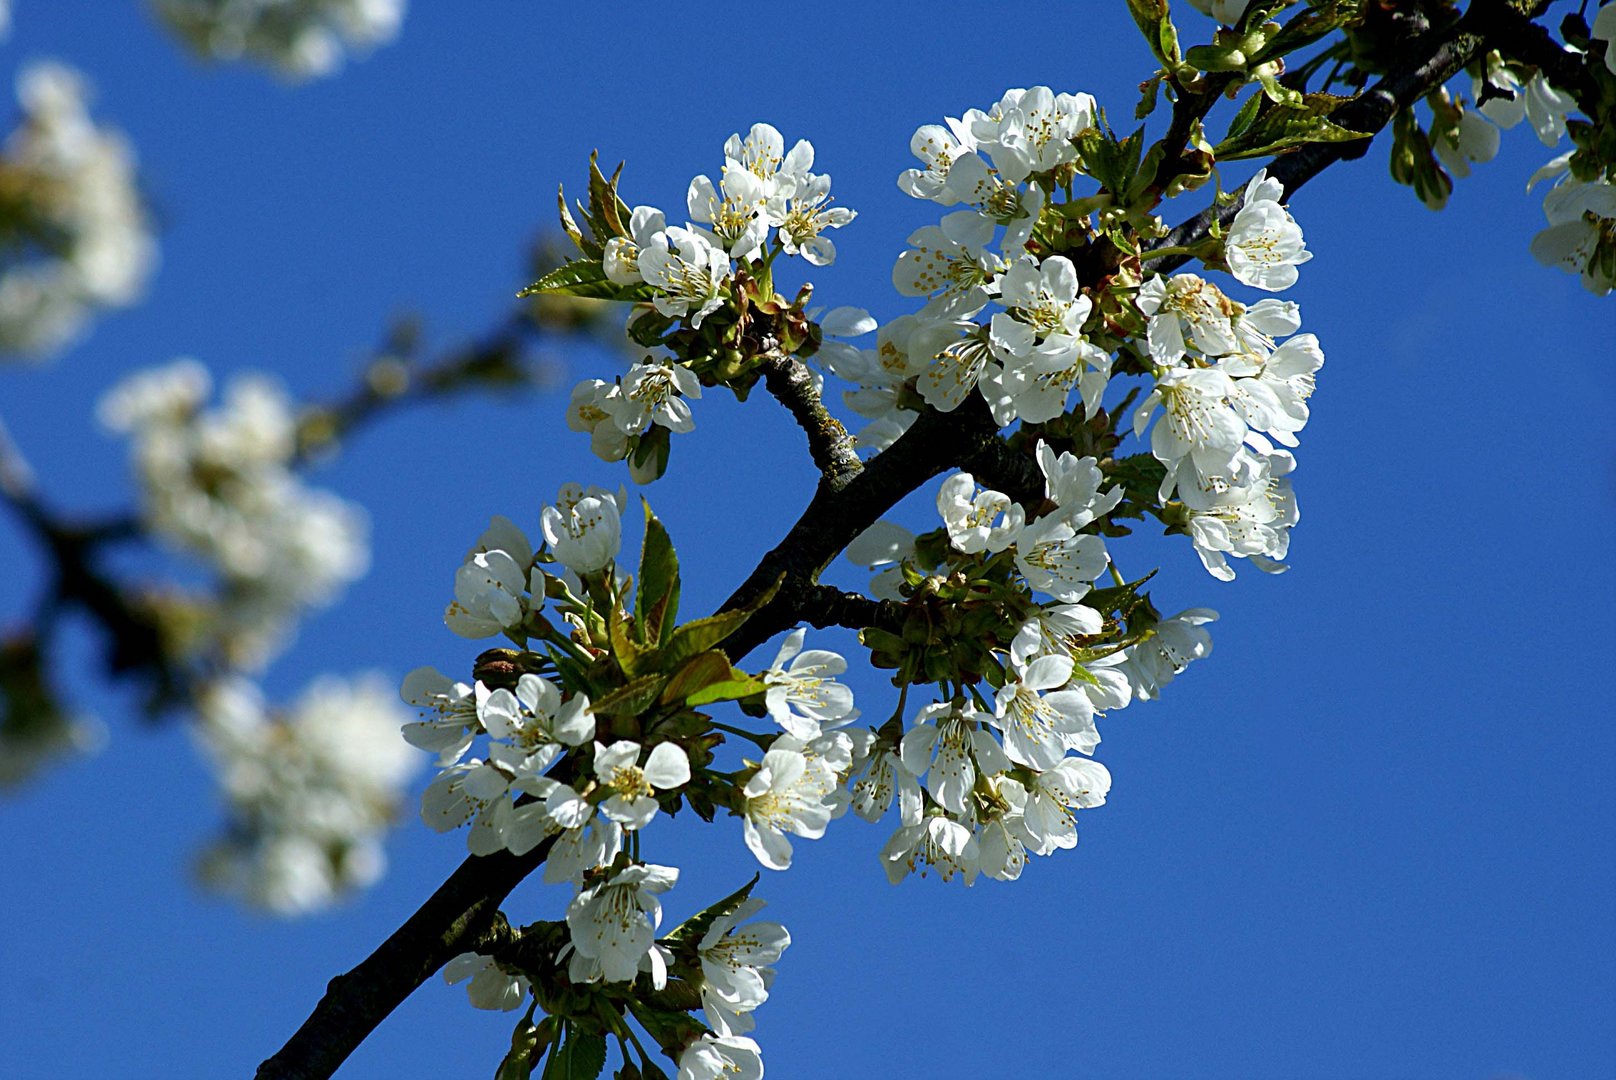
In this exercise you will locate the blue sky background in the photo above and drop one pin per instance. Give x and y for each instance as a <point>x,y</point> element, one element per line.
<point>1373,836</point>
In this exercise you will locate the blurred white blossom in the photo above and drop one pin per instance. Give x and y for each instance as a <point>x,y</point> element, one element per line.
<point>216,483</point>
<point>300,39</point>
<point>73,233</point>
<point>310,790</point>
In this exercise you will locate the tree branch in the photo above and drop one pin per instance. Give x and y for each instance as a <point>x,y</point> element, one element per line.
<point>1514,34</point>
<point>831,447</point>
<point>462,916</point>
<point>1369,112</point>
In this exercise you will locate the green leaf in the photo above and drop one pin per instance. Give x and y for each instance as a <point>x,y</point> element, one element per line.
<point>1276,128</point>
<point>1118,598</point>
<point>524,1052</point>
<point>580,277</point>
<point>739,685</point>
<point>1242,119</point>
<point>608,214</point>
<point>702,634</point>
<point>657,602</point>
<point>581,1057</point>
<point>700,672</point>
<point>631,656</point>
<point>1154,21</point>
<point>693,929</point>
<point>1322,17</point>
<point>1149,91</point>
<point>570,226</point>
<point>630,700</point>
<point>1114,163</point>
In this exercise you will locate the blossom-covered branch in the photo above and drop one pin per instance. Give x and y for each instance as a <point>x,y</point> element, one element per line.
<point>1037,304</point>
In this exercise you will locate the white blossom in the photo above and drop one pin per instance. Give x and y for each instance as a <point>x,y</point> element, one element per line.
<point>948,741</point>
<point>1073,485</point>
<point>621,258</point>
<point>1048,815</point>
<point>1040,721</point>
<point>1264,244</point>
<point>763,153</point>
<point>531,726</point>
<point>1582,227</point>
<point>1200,432</point>
<point>78,186</point>
<point>1227,12</point>
<point>1174,644</point>
<point>1058,560</point>
<point>805,696</point>
<point>217,483</point>
<point>937,147</point>
<point>1252,521</point>
<point>957,355</point>
<point>886,777</point>
<point>584,528</point>
<point>950,265</point>
<point>490,594</point>
<point>298,40</point>
<point>593,842</point>
<point>1604,29</point>
<point>491,986</point>
<point>614,922</point>
<point>1186,312</point>
<point>1538,103</point>
<point>789,793</point>
<point>1031,131</point>
<point>978,520</point>
<point>593,408</point>
<point>721,1057</point>
<point>457,708</point>
<point>882,546</point>
<point>735,967</point>
<point>310,789</point>
<point>689,277</point>
<point>1054,630</point>
<point>654,392</point>
<point>632,802</point>
<point>808,215</point>
<point>998,200</point>
<point>938,842</point>
<point>733,211</point>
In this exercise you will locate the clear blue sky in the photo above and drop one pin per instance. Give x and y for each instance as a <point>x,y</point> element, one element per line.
<point>1373,836</point>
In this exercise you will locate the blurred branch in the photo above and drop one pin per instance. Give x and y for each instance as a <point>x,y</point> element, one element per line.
<point>462,916</point>
<point>134,642</point>
<point>506,358</point>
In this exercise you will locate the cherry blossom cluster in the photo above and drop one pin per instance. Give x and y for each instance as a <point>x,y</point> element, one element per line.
<point>1007,317</point>
<point>1008,772</point>
<point>299,39</point>
<point>78,235</point>
<point>552,761</point>
<point>766,202</point>
<point>217,484</point>
<point>310,791</point>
